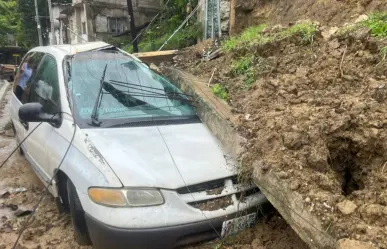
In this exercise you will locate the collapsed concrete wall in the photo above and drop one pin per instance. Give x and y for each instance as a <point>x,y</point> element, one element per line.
<point>218,117</point>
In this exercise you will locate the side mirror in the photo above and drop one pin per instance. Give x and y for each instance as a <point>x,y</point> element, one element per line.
<point>34,112</point>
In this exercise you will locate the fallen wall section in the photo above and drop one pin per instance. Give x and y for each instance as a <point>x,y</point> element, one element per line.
<point>218,117</point>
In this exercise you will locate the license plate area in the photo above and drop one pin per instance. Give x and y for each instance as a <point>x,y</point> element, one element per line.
<point>233,226</point>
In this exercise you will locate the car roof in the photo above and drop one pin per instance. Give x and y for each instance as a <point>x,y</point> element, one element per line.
<point>70,49</point>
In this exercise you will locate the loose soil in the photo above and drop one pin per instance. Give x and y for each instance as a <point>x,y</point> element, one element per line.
<point>50,229</point>
<point>327,12</point>
<point>316,116</point>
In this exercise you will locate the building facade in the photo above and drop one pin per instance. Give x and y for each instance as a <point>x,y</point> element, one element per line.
<point>93,20</point>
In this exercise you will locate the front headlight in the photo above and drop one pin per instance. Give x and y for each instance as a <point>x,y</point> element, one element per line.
<point>126,197</point>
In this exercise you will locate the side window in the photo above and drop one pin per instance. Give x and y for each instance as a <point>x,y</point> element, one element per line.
<point>45,85</point>
<point>25,74</point>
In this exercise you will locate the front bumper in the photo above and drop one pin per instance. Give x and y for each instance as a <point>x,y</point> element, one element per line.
<point>107,237</point>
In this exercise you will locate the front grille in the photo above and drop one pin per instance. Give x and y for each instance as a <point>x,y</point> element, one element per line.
<point>211,195</point>
<point>247,193</point>
<point>213,204</point>
<point>205,186</point>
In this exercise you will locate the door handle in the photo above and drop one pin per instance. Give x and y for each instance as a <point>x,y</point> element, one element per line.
<point>25,125</point>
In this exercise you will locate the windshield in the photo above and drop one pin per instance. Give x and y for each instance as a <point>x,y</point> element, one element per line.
<point>109,87</point>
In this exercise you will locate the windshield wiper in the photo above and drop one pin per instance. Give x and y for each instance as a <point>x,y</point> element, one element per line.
<point>148,93</point>
<point>94,115</point>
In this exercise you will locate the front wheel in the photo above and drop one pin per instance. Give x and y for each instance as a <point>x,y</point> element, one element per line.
<point>81,234</point>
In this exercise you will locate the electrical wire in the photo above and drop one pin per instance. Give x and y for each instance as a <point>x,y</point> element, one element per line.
<point>181,26</point>
<point>45,191</point>
<point>146,29</point>
<point>19,145</point>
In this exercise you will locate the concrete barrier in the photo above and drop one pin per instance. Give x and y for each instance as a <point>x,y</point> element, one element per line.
<point>217,115</point>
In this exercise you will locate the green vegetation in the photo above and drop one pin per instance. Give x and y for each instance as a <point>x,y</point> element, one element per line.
<point>306,30</point>
<point>220,91</point>
<point>9,20</point>
<point>254,36</point>
<point>245,66</point>
<point>242,65</point>
<point>155,38</point>
<point>377,22</point>
<point>248,35</point>
<point>168,21</point>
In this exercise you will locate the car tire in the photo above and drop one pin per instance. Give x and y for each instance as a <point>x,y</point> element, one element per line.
<point>63,194</point>
<point>78,220</point>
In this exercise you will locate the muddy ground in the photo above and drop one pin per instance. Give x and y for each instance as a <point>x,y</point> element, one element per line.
<point>50,229</point>
<point>316,115</point>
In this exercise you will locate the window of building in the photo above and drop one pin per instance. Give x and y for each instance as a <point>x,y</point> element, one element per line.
<point>116,25</point>
<point>84,28</point>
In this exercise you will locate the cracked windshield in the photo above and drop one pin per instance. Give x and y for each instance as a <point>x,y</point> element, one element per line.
<point>110,85</point>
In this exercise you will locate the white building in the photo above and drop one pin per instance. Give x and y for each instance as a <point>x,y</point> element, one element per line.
<point>94,20</point>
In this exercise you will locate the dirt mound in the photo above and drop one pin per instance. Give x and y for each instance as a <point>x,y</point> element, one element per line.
<point>315,113</point>
<point>332,12</point>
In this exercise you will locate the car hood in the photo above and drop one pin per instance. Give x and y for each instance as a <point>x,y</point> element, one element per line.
<point>167,156</point>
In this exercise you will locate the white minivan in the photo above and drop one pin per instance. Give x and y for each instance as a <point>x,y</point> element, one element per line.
<point>142,170</point>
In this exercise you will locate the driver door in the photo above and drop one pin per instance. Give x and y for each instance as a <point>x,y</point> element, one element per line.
<point>44,88</point>
<point>21,127</point>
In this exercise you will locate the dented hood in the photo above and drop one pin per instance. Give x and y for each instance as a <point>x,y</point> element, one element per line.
<point>160,156</point>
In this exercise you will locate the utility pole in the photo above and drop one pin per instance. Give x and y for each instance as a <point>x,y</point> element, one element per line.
<point>132,26</point>
<point>38,23</point>
<point>52,39</point>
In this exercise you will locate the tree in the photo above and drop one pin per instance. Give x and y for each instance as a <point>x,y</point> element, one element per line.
<point>28,35</point>
<point>9,20</point>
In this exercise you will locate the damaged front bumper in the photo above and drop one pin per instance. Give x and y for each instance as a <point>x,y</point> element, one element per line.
<point>181,220</point>
<point>104,236</point>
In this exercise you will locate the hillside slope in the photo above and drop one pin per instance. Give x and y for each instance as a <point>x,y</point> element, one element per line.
<point>327,12</point>
<point>311,103</point>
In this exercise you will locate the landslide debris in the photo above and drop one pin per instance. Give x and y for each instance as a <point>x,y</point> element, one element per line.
<point>311,102</point>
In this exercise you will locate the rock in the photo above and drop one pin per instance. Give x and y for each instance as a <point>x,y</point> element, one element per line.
<point>353,244</point>
<point>361,18</point>
<point>328,34</point>
<point>277,28</point>
<point>283,175</point>
<point>362,33</point>
<point>224,8</point>
<point>348,77</point>
<point>245,6</point>
<point>317,159</point>
<point>373,211</point>
<point>294,185</point>
<point>373,83</point>
<point>334,44</point>
<point>293,140</point>
<point>307,200</point>
<point>346,207</point>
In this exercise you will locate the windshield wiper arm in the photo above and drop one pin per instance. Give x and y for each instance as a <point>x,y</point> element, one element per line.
<point>94,115</point>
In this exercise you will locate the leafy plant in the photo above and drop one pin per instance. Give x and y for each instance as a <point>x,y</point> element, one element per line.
<point>220,91</point>
<point>307,30</point>
<point>254,36</point>
<point>242,65</point>
<point>245,66</point>
<point>377,22</point>
<point>164,27</point>
<point>248,35</point>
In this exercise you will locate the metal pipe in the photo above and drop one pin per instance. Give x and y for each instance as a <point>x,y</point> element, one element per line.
<point>52,38</point>
<point>218,15</point>
<point>206,20</point>
<point>38,24</point>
